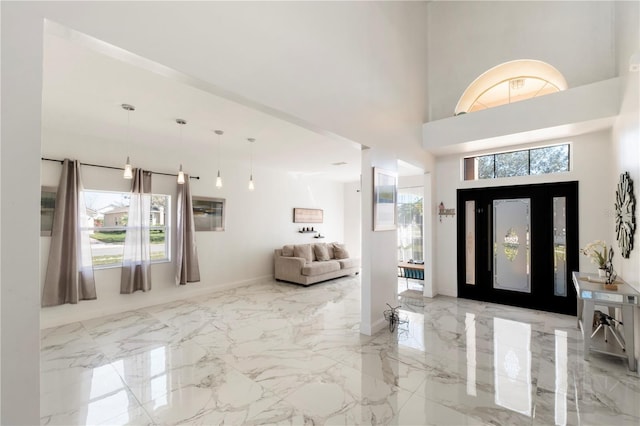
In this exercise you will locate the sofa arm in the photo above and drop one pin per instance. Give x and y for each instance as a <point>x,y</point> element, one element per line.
<point>288,268</point>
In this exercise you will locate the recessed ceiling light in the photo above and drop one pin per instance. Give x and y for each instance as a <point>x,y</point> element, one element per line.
<point>339,163</point>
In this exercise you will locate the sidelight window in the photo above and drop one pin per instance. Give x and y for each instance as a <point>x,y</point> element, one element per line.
<point>410,224</point>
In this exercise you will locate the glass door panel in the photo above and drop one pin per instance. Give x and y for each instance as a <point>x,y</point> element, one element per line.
<point>470,239</point>
<point>560,246</point>
<point>517,245</point>
<point>511,245</point>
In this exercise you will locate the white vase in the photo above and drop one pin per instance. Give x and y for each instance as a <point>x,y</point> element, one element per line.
<point>602,273</point>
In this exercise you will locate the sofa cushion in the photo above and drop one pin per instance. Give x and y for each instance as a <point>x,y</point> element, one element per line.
<point>304,251</point>
<point>349,263</point>
<point>321,251</point>
<point>287,251</point>
<point>340,251</point>
<point>317,268</point>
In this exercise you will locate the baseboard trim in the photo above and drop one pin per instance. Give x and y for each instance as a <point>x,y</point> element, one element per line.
<point>371,329</point>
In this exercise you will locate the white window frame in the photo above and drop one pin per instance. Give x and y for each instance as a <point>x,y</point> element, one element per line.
<point>528,149</point>
<point>166,227</point>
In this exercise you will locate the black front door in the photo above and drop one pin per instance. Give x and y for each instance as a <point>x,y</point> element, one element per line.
<point>518,245</point>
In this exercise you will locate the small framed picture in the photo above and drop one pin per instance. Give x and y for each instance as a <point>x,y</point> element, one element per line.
<point>384,199</point>
<point>208,213</point>
<point>308,215</point>
<point>47,209</point>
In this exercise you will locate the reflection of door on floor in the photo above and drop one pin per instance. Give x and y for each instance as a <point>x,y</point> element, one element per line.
<point>517,245</point>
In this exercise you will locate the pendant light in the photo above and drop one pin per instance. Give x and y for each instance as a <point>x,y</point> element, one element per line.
<point>219,179</point>
<point>181,123</point>
<point>128,171</point>
<point>251,185</point>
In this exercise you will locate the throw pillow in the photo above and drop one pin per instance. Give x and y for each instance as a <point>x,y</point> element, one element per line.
<point>332,255</point>
<point>321,251</point>
<point>287,251</point>
<point>340,251</point>
<point>303,250</point>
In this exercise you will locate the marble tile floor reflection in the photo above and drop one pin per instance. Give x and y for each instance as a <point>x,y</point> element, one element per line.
<point>276,353</point>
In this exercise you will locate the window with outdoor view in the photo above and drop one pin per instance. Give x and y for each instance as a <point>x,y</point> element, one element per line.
<point>410,229</point>
<point>535,161</point>
<point>108,216</point>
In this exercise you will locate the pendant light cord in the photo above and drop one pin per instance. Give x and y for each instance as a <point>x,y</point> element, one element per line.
<point>219,152</point>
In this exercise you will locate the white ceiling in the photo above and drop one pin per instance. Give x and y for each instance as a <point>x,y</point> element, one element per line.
<point>83,90</point>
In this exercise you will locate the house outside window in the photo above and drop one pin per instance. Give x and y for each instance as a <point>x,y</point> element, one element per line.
<point>108,225</point>
<point>410,224</point>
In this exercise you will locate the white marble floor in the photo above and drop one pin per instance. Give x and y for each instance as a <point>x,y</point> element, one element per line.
<point>276,353</point>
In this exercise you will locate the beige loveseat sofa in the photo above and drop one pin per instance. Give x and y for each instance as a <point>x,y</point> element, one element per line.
<point>311,263</point>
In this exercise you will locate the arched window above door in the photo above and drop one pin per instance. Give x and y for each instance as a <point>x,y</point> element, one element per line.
<point>510,82</point>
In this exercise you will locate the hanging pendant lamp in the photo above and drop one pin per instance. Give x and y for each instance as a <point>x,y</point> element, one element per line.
<point>219,178</point>
<point>251,185</point>
<point>181,123</point>
<point>128,171</point>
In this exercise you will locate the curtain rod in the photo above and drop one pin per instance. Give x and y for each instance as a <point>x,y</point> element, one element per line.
<point>114,168</point>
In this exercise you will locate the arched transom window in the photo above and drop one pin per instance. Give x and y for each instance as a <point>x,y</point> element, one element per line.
<point>511,82</point>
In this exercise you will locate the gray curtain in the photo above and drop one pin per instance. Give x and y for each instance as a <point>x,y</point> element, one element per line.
<point>187,269</point>
<point>69,275</point>
<point>136,262</point>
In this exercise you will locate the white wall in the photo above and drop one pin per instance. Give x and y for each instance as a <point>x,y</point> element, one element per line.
<point>352,218</point>
<point>626,131</point>
<point>626,137</point>
<point>575,37</point>
<point>19,157</point>
<point>256,222</point>
<point>430,288</point>
<point>379,255</point>
<point>288,63</point>
<point>591,164</point>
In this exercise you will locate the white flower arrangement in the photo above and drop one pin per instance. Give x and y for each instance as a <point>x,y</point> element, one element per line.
<point>597,251</point>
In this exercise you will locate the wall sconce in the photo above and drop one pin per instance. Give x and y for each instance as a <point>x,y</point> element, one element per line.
<point>442,211</point>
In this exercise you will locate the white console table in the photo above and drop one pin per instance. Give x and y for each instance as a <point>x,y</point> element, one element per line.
<point>591,293</point>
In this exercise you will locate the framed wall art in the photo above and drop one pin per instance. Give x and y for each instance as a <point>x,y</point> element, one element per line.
<point>625,214</point>
<point>385,184</point>
<point>308,215</point>
<point>47,208</point>
<point>208,213</point>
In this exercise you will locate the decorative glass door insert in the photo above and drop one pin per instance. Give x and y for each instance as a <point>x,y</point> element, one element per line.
<point>512,245</point>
